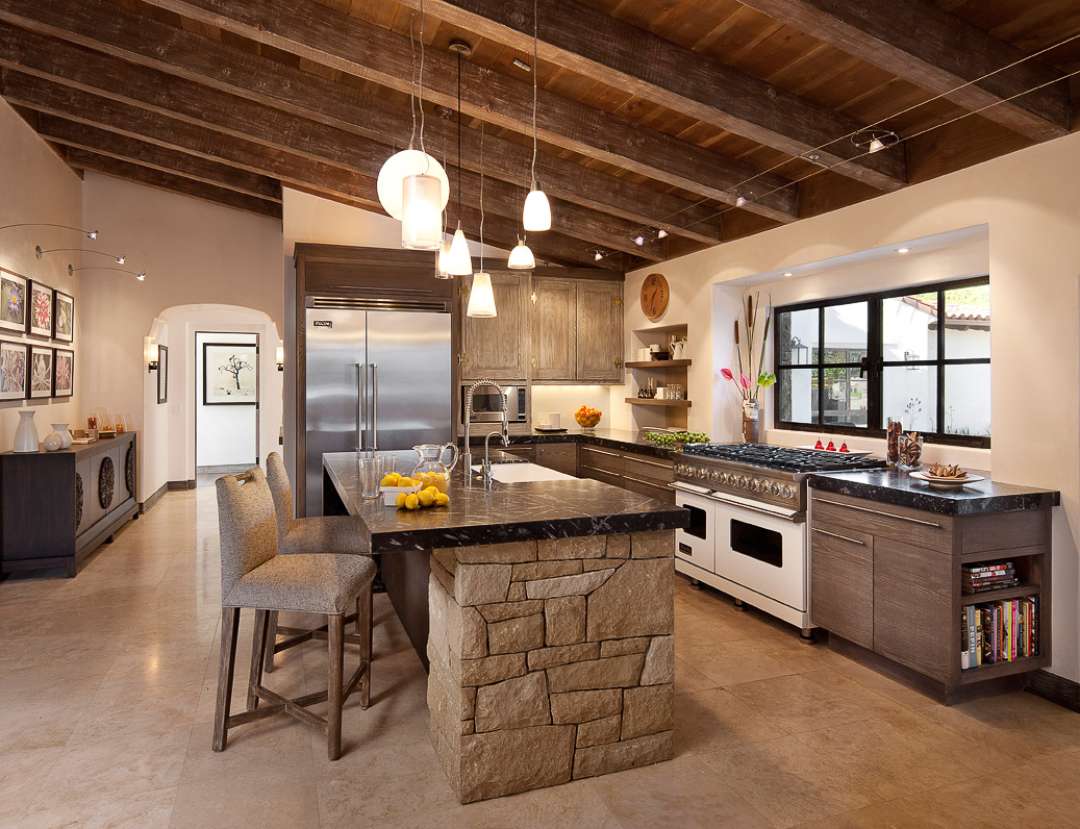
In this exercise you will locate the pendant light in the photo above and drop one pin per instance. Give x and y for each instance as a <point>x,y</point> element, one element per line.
<point>537,212</point>
<point>521,257</point>
<point>459,260</point>
<point>481,297</point>
<point>443,256</point>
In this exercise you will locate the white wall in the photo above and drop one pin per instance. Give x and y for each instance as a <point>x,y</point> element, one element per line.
<point>38,187</point>
<point>193,252</point>
<point>1030,201</point>
<point>567,399</point>
<point>224,435</point>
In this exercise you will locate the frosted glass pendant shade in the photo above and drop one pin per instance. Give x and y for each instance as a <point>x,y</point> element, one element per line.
<point>399,167</point>
<point>537,212</point>
<point>521,258</point>
<point>460,260</point>
<point>481,297</point>
<point>441,259</point>
<point>421,219</point>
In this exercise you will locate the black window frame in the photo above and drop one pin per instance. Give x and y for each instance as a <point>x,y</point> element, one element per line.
<point>874,364</point>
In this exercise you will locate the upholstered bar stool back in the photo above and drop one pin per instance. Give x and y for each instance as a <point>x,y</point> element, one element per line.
<point>248,526</point>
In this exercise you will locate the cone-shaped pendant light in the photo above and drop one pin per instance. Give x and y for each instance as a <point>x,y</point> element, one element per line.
<point>481,297</point>
<point>521,257</point>
<point>459,261</point>
<point>536,215</point>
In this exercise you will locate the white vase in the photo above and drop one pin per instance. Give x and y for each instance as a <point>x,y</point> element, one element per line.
<point>65,434</point>
<point>26,436</point>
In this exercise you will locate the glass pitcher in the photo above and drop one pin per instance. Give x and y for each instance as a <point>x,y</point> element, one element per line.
<point>430,463</point>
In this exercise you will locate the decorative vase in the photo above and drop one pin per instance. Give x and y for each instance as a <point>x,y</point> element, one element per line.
<point>65,434</point>
<point>52,442</point>
<point>751,421</point>
<point>26,436</point>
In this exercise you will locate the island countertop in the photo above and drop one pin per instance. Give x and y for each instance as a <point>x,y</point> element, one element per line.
<point>509,512</point>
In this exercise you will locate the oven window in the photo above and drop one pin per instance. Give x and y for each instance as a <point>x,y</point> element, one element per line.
<point>757,542</point>
<point>697,522</point>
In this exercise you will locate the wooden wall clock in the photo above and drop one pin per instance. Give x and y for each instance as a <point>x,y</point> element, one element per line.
<point>655,295</point>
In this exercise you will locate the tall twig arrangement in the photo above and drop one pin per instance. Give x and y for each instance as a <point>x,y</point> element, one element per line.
<point>751,378</point>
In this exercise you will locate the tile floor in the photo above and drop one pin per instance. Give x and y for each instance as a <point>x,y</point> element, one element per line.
<point>107,692</point>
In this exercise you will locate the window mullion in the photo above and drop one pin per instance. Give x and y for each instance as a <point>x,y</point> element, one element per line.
<point>939,427</point>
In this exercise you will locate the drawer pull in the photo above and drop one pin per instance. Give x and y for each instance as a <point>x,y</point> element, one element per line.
<point>667,466</point>
<point>653,484</point>
<point>599,451</point>
<point>841,537</point>
<point>880,512</point>
<point>601,471</point>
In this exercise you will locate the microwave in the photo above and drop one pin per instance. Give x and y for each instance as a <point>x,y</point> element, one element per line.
<point>487,404</point>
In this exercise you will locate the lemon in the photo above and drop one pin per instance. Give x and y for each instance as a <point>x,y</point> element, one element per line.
<point>390,479</point>
<point>400,500</point>
<point>406,481</point>
<point>442,499</point>
<point>411,501</point>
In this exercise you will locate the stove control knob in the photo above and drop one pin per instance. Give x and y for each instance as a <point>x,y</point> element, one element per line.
<point>774,488</point>
<point>789,491</point>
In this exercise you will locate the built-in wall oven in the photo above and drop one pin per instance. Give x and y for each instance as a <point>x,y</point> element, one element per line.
<point>751,549</point>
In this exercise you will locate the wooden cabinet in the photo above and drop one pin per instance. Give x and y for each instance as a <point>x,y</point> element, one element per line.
<point>644,474</point>
<point>842,583</point>
<point>562,457</point>
<point>553,329</point>
<point>600,332</point>
<point>496,348</point>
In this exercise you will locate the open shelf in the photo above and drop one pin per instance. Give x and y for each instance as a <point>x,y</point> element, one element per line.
<point>998,669</point>
<point>988,596</point>
<point>674,328</point>
<point>657,363</point>
<point>645,401</point>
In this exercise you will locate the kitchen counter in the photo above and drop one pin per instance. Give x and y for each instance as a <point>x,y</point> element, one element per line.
<point>544,611</point>
<point>627,439</point>
<point>892,486</point>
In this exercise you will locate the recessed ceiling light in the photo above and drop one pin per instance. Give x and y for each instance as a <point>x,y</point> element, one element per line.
<point>902,251</point>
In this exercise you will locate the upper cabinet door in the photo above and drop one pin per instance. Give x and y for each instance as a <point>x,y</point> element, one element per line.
<point>496,348</point>
<point>552,323</point>
<point>600,331</point>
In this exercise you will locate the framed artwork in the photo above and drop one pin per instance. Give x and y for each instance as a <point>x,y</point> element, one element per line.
<point>12,301</point>
<point>162,374</point>
<point>63,372</point>
<point>39,309</point>
<point>41,372</point>
<point>229,374</point>
<point>12,370</point>
<point>63,317</point>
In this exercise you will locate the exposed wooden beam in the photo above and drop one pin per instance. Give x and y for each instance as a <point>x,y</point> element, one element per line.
<point>587,41</point>
<point>84,160</point>
<point>121,147</point>
<point>100,25</point>
<point>301,173</point>
<point>198,105</point>
<point>331,38</point>
<point>918,41</point>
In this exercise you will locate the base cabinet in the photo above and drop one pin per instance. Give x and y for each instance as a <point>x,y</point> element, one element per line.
<point>562,457</point>
<point>842,584</point>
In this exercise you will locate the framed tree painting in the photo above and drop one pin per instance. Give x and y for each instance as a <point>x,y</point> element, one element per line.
<point>12,370</point>
<point>63,317</point>
<point>41,372</point>
<point>229,374</point>
<point>63,372</point>
<point>162,374</point>
<point>12,301</point>
<point>39,310</point>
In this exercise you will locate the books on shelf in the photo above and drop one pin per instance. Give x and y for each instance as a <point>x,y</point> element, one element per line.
<point>996,632</point>
<point>980,578</point>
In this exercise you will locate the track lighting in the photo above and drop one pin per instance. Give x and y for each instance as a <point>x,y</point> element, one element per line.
<point>788,273</point>
<point>661,234</point>
<point>139,275</point>
<point>119,260</point>
<point>902,251</point>
<point>598,255</point>
<point>873,140</point>
<point>740,201</point>
<point>90,234</point>
<point>522,65</point>
<point>639,240</point>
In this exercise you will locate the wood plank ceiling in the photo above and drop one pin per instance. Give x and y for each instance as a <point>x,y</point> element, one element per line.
<point>707,119</point>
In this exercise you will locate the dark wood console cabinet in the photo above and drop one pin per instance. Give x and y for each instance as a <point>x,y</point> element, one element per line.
<point>58,507</point>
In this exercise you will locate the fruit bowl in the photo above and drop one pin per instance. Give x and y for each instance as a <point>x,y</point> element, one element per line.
<point>587,417</point>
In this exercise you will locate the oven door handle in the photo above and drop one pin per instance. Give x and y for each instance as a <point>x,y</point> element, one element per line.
<point>785,515</point>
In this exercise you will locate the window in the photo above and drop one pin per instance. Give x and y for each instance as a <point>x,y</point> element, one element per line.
<point>921,356</point>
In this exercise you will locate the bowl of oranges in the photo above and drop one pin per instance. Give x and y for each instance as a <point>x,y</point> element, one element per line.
<point>587,417</point>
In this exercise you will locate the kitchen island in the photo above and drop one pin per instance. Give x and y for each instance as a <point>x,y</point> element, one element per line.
<point>545,614</point>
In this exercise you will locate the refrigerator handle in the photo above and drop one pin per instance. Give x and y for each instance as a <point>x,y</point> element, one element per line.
<point>361,405</point>
<point>374,406</point>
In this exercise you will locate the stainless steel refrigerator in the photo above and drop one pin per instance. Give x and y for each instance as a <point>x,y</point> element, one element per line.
<point>378,376</point>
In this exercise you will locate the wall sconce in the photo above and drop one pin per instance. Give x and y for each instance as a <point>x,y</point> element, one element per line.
<point>119,259</point>
<point>90,234</point>
<point>150,354</point>
<point>139,275</point>
<point>279,357</point>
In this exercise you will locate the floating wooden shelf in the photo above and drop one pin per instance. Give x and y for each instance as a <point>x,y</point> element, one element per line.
<point>988,596</point>
<point>645,401</point>
<point>662,329</point>
<point>657,363</point>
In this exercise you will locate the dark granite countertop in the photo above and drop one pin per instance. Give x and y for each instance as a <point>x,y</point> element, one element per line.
<point>627,439</point>
<point>892,486</point>
<point>509,512</point>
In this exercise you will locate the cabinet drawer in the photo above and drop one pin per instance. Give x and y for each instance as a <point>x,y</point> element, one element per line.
<point>600,475</point>
<point>562,457</point>
<point>653,469</point>
<point>912,603</point>
<point>526,452</point>
<point>654,489</point>
<point>923,529</point>
<point>842,584</point>
<point>597,457</point>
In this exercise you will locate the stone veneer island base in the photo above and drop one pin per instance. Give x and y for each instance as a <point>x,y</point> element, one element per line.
<point>551,660</point>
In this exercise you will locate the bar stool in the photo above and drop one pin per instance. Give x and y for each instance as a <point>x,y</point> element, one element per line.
<point>339,534</point>
<point>253,575</point>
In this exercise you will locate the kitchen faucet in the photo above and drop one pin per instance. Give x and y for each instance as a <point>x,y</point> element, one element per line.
<point>467,454</point>
<point>485,469</point>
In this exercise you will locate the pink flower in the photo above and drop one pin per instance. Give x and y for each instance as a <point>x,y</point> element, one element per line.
<point>726,374</point>
<point>744,381</point>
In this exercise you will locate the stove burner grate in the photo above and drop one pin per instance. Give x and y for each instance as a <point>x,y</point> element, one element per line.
<point>781,457</point>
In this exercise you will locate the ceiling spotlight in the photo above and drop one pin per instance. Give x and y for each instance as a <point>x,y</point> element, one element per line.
<point>522,65</point>
<point>740,201</point>
<point>661,234</point>
<point>875,140</point>
<point>141,276</point>
<point>788,273</point>
<point>639,240</point>
<point>90,234</point>
<point>598,255</point>
<point>902,251</point>
<point>118,259</point>
<point>876,145</point>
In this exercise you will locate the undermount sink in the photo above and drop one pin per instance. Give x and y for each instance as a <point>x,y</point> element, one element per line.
<point>517,473</point>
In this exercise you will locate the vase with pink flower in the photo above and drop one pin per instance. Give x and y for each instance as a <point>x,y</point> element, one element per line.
<point>751,378</point>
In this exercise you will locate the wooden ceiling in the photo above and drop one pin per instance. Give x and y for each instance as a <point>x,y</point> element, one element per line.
<point>709,119</point>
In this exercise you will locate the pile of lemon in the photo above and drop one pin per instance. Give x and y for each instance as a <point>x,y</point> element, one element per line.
<point>431,494</point>
<point>430,497</point>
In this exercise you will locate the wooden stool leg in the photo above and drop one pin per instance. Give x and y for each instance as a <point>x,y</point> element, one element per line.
<point>363,630</point>
<point>336,645</point>
<point>258,650</point>
<point>230,624</point>
<point>271,637</point>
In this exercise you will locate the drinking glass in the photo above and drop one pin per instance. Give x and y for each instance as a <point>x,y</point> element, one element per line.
<point>369,468</point>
